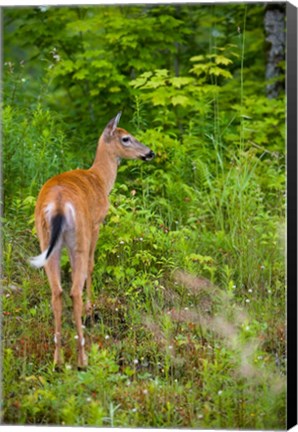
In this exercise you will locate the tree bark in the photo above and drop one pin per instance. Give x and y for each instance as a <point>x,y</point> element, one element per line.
<point>274,23</point>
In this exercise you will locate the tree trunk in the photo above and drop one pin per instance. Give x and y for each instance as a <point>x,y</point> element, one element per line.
<point>274,22</point>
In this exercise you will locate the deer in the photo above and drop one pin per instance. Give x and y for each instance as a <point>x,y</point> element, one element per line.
<point>69,210</point>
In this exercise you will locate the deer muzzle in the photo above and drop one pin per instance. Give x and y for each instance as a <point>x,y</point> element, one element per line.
<point>148,156</point>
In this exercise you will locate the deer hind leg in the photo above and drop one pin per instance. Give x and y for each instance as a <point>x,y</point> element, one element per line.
<point>53,272</point>
<point>94,238</point>
<point>79,274</point>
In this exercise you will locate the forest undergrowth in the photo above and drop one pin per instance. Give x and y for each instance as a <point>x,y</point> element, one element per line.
<point>188,320</point>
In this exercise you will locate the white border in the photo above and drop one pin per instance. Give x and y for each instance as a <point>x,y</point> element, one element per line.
<point>7,3</point>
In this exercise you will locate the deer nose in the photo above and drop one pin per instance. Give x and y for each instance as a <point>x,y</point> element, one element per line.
<point>148,156</point>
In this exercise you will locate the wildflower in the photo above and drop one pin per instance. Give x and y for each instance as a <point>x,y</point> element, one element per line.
<point>134,410</point>
<point>68,367</point>
<point>10,66</point>
<point>170,347</point>
<point>250,290</point>
<point>136,361</point>
<point>88,399</point>
<point>145,391</point>
<point>219,392</point>
<point>55,55</point>
<point>107,337</point>
<point>247,301</point>
<point>121,242</point>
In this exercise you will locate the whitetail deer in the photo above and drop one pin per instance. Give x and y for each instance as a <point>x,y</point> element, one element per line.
<point>69,210</point>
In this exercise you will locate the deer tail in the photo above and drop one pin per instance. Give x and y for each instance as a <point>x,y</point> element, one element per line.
<point>57,223</point>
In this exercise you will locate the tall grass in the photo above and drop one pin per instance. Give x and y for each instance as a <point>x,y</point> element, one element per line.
<point>188,288</point>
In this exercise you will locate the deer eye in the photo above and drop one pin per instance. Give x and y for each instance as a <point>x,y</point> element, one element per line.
<point>125,140</point>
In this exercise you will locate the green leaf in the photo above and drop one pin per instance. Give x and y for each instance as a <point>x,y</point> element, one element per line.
<point>198,69</point>
<point>217,71</point>
<point>197,58</point>
<point>147,75</point>
<point>180,100</point>
<point>94,92</point>
<point>220,59</point>
<point>162,73</point>
<point>180,81</point>
<point>81,74</point>
<point>139,82</point>
<point>64,67</point>
<point>154,83</point>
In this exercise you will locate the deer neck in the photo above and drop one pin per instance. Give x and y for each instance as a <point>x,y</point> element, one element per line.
<point>105,165</point>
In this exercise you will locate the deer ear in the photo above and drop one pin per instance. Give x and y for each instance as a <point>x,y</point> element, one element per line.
<point>111,126</point>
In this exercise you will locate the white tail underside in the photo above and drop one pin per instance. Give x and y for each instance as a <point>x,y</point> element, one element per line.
<point>39,260</point>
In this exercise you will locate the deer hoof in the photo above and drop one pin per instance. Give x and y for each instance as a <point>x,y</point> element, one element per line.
<point>88,308</point>
<point>82,361</point>
<point>58,360</point>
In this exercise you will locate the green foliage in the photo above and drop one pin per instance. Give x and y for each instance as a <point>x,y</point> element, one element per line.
<point>35,148</point>
<point>188,285</point>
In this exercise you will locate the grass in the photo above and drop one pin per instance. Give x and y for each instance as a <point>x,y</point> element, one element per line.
<point>188,306</point>
<point>188,287</point>
<point>197,363</point>
<point>175,339</point>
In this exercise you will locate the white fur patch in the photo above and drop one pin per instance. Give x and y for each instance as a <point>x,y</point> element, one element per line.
<point>70,214</point>
<point>40,260</point>
<point>48,210</point>
<point>56,335</point>
<point>82,340</point>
